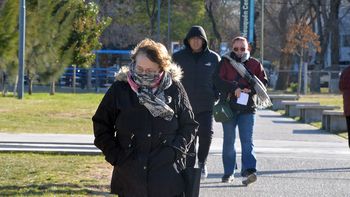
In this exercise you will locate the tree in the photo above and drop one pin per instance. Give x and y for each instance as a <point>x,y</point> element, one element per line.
<point>131,22</point>
<point>334,29</point>
<point>8,41</point>
<point>56,27</point>
<point>299,38</point>
<point>209,7</point>
<point>224,18</point>
<point>87,29</point>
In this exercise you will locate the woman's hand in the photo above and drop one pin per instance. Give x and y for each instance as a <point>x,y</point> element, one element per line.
<point>239,90</point>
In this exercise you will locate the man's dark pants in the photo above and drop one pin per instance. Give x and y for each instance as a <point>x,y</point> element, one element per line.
<point>204,136</point>
<point>348,125</point>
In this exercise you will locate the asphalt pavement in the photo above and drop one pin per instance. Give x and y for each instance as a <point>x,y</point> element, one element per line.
<point>294,159</point>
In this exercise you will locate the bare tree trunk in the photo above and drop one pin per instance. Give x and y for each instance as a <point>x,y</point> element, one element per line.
<point>300,71</point>
<point>334,18</point>
<point>2,80</point>
<point>30,85</point>
<point>283,77</point>
<point>285,61</point>
<point>52,87</point>
<point>15,87</point>
<point>152,13</point>
<point>210,12</point>
<point>315,75</point>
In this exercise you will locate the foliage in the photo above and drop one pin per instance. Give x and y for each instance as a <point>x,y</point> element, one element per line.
<point>60,33</point>
<point>187,14</point>
<point>9,37</point>
<point>293,87</point>
<point>131,22</point>
<point>56,26</point>
<point>301,36</point>
<point>87,29</point>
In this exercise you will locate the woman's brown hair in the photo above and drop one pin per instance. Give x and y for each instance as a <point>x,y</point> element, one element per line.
<point>154,51</point>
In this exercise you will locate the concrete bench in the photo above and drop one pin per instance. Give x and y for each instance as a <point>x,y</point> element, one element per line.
<point>276,100</point>
<point>333,121</point>
<point>313,113</point>
<point>290,107</point>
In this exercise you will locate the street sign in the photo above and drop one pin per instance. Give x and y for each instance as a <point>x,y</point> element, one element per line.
<point>247,20</point>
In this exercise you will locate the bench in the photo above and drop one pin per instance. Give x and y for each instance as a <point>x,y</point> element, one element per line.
<point>333,121</point>
<point>276,100</point>
<point>290,107</point>
<point>313,113</point>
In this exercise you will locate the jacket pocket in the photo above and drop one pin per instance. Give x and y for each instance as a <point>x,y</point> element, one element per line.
<point>165,155</point>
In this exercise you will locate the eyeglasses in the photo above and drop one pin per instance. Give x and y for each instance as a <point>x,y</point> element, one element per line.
<point>140,70</point>
<point>237,49</point>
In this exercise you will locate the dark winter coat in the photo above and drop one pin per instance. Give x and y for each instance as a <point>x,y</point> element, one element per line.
<point>227,80</point>
<point>147,152</point>
<point>198,69</point>
<point>344,87</point>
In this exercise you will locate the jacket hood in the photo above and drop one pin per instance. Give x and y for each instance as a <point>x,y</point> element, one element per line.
<point>196,31</point>
<point>174,70</point>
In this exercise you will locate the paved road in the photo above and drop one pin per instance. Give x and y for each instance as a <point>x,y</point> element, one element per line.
<point>294,159</point>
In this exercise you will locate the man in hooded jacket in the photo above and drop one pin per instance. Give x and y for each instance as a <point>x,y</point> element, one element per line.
<point>198,63</point>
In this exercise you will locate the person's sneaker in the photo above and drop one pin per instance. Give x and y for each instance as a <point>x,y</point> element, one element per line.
<point>227,178</point>
<point>204,170</point>
<point>251,178</point>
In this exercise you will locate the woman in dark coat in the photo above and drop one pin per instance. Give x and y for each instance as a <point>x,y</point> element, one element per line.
<point>344,87</point>
<point>144,125</point>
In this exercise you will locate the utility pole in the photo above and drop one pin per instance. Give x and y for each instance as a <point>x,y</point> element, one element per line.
<point>262,32</point>
<point>158,17</point>
<point>21,51</point>
<point>169,24</point>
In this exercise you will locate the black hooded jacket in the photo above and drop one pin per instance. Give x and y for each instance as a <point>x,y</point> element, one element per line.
<point>198,70</point>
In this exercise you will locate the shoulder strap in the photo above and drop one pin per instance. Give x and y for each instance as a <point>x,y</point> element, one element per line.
<point>240,68</point>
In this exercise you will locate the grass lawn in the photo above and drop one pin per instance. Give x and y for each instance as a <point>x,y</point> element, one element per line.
<point>323,99</point>
<point>30,174</point>
<point>42,113</point>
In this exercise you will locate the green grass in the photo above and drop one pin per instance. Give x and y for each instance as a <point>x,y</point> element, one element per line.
<point>42,113</point>
<point>324,99</point>
<point>30,174</point>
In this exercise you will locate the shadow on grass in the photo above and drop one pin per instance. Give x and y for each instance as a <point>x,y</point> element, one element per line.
<point>47,189</point>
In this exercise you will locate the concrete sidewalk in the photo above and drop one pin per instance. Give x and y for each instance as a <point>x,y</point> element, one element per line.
<point>294,159</point>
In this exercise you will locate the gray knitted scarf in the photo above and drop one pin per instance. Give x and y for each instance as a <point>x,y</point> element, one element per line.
<point>152,98</point>
<point>263,100</point>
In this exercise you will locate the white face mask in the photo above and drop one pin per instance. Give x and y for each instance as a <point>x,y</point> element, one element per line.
<point>245,56</point>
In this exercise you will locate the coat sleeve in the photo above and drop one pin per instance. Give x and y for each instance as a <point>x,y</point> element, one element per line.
<point>187,124</point>
<point>261,74</point>
<point>103,124</point>
<point>344,80</point>
<point>222,85</point>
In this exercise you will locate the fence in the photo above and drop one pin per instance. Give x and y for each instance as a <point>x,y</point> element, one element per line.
<point>314,79</point>
<point>88,78</point>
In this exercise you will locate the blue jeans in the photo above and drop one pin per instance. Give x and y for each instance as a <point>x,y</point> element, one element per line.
<point>245,124</point>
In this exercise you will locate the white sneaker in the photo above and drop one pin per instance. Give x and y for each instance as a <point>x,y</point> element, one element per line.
<point>249,179</point>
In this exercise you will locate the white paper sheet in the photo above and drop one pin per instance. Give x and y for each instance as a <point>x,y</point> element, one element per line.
<point>243,99</point>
